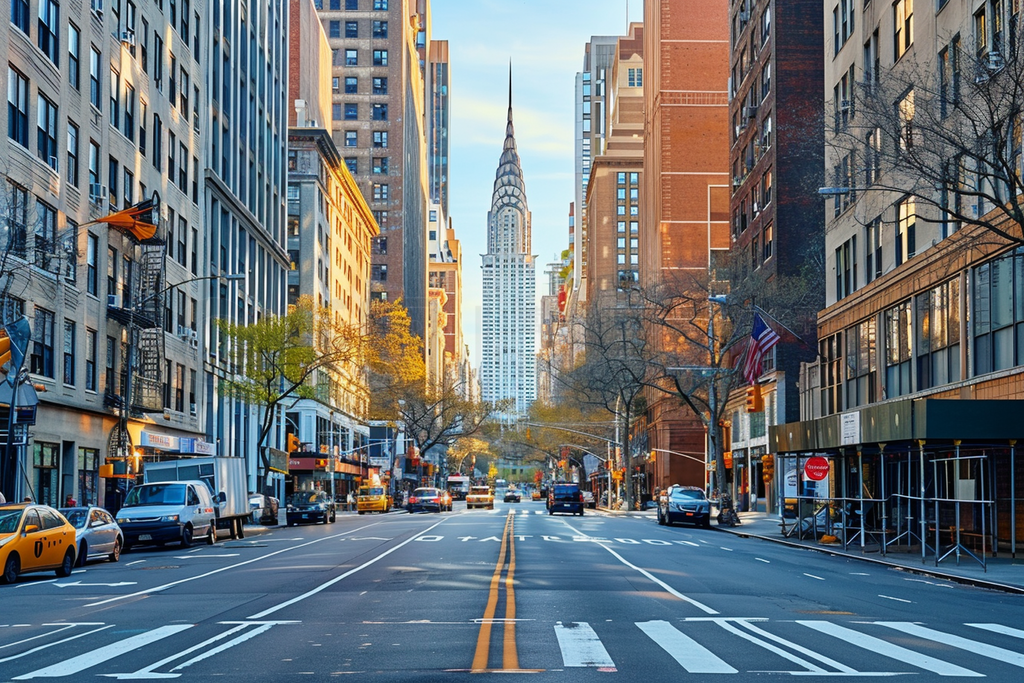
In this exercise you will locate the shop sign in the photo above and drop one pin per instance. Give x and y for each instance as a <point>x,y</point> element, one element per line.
<point>161,441</point>
<point>816,468</point>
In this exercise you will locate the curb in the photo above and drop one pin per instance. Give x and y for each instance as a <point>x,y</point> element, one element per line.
<point>923,571</point>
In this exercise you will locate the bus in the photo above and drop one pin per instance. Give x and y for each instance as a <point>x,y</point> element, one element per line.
<point>458,486</point>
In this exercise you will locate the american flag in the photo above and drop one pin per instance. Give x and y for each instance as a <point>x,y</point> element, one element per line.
<point>762,339</point>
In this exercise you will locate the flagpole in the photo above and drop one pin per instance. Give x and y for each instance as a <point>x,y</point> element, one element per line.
<point>768,315</point>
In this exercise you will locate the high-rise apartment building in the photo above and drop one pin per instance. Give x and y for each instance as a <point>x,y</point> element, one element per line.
<point>438,117</point>
<point>245,129</point>
<point>379,124</point>
<point>686,184</point>
<point>104,105</point>
<point>508,362</point>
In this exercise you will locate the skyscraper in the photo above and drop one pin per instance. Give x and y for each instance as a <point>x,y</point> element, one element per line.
<point>508,360</point>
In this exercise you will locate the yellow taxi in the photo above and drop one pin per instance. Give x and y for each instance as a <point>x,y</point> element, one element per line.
<point>372,499</point>
<point>34,538</point>
<point>480,497</point>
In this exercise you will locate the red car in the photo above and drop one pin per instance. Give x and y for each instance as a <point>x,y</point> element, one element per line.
<point>428,499</point>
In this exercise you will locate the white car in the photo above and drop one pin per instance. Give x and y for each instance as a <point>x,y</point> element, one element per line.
<point>588,500</point>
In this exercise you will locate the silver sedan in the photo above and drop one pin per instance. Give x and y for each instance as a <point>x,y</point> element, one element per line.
<point>96,533</point>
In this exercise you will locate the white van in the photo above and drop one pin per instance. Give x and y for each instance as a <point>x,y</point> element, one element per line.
<point>167,512</point>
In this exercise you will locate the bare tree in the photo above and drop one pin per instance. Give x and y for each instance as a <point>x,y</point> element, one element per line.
<point>948,137</point>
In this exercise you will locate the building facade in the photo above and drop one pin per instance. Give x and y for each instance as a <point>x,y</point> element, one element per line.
<point>508,361</point>
<point>378,116</point>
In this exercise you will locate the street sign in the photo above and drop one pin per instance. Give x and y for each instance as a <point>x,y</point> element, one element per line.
<point>816,468</point>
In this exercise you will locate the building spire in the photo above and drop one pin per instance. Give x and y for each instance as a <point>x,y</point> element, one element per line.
<point>510,90</point>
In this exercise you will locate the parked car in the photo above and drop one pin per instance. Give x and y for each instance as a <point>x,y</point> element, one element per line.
<point>513,496</point>
<point>685,504</point>
<point>264,509</point>
<point>427,499</point>
<point>372,499</point>
<point>168,512</point>
<point>565,498</point>
<point>34,538</point>
<point>588,500</point>
<point>96,533</point>
<point>310,506</point>
<point>479,497</point>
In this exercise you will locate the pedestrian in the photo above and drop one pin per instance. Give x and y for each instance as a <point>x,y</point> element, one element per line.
<point>350,501</point>
<point>70,502</point>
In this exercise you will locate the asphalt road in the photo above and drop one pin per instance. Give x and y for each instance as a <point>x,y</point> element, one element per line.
<point>431,597</point>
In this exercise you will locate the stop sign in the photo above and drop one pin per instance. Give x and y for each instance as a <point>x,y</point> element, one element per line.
<point>816,468</point>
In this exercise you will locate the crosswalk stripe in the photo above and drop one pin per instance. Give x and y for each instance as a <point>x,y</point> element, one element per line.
<point>580,646</point>
<point>999,628</point>
<point>690,654</point>
<point>887,649</point>
<point>977,647</point>
<point>828,661</point>
<point>82,662</point>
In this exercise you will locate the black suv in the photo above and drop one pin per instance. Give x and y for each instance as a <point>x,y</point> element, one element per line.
<point>565,498</point>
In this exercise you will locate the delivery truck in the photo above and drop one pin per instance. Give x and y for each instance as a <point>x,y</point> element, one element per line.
<point>226,479</point>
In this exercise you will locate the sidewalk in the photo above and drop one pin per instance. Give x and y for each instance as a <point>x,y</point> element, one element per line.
<point>1003,573</point>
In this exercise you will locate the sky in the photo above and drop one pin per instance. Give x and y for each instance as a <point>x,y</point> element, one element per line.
<point>545,40</point>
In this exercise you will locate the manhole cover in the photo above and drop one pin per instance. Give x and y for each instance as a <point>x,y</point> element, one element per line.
<point>166,566</point>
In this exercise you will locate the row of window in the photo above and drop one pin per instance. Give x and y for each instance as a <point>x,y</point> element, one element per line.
<point>349,111</point>
<point>350,57</point>
<point>378,29</point>
<point>379,85</point>
<point>335,5</point>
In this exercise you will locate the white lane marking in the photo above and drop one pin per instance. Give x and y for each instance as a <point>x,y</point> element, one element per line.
<point>974,646</point>
<point>690,654</point>
<point>192,557</point>
<point>732,628</point>
<point>889,597</point>
<point>699,605</point>
<point>999,628</point>
<point>859,574</point>
<point>116,584</point>
<point>172,584</point>
<point>70,667</point>
<point>147,671</point>
<point>930,583</point>
<point>226,646</point>
<point>887,649</point>
<point>580,646</point>
<point>33,583</point>
<point>690,543</point>
<point>828,661</point>
<point>59,642</point>
<point>350,572</point>
<point>135,562</point>
<point>813,576</point>
<point>761,559</point>
<point>726,549</point>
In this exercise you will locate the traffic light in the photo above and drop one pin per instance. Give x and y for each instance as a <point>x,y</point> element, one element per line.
<point>293,443</point>
<point>767,467</point>
<point>5,350</point>
<point>755,402</point>
<point>654,457</point>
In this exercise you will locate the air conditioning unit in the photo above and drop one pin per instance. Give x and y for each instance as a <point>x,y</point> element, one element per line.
<point>97,193</point>
<point>737,181</point>
<point>994,61</point>
<point>193,341</point>
<point>96,6</point>
<point>750,112</point>
<point>128,38</point>
<point>114,301</point>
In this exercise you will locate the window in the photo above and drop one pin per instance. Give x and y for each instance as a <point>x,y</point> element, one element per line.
<point>158,61</point>
<point>351,138</point>
<point>69,352</point>
<point>129,112</point>
<point>91,272</point>
<point>846,268</point>
<point>905,117</point>
<point>142,128</point>
<point>380,192</point>
<point>49,24</point>
<point>351,58</point>
<point>72,169</point>
<point>46,256</point>
<point>172,82</point>
<point>380,272</point>
<point>635,78</point>
<point>351,85</point>
<point>113,172</point>
<point>873,156</point>
<point>94,77</point>
<point>766,80</point>
<point>842,20</point>
<point>903,21</point>
<point>767,242</point>
<point>115,99</point>
<point>334,29</point>
<point>938,336</point>
<point>380,57</point>
<point>94,164</point>
<point>41,358</point>
<point>351,111</point>
<point>111,366</point>
<point>873,250</point>
<point>351,4</point>
<point>336,112</point>
<point>380,138</point>
<point>998,314</point>
<point>380,29</point>
<point>906,222</point>
<point>90,360</point>
<point>74,75</point>
<point>351,29</point>
<point>381,217</point>
<point>379,112</point>
<point>17,107</point>
<point>182,168</point>
<point>861,364</point>
<point>380,85</point>
<point>158,142</point>
<point>46,137</point>
<point>380,4</point>
<point>129,188</point>
<point>352,164</point>
<point>183,100</point>
<point>171,141</point>
<point>19,15</point>
<point>380,165</point>
<point>898,338</point>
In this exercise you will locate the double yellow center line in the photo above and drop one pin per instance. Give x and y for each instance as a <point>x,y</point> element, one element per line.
<point>509,655</point>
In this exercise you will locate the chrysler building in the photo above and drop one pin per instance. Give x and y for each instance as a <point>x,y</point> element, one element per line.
<point>508,362</point>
